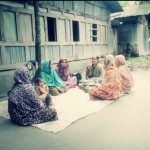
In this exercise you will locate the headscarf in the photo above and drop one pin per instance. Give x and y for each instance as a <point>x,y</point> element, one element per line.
<point>109,61</point>
<point>63,71</point>
<point>45,67</point>
<point>21,76</point>
<point>22,93</point>
<point>120,60</point>
<point>50,76</point>
<point>31,65</point>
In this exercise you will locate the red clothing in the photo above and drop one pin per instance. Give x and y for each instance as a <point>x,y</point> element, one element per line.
<point>110,88</point>
<point>44,88</point>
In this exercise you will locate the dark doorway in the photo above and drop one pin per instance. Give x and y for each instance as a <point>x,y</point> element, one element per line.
<point>75,27</point>
<point>52,32</point>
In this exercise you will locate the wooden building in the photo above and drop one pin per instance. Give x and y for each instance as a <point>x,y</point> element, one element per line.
<point>75,30</point>
<point>132,29</point>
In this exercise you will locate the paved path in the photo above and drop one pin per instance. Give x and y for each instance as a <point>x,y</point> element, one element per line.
<point>122,125</point>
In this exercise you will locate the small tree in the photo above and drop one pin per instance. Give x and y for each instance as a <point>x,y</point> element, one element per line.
<point>37,36</point>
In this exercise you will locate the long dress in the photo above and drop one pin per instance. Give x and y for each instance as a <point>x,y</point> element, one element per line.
<point>50,76</point>
<point>110,88</point>
<point>127,81</point>
<point>52,79</point>
<point>24,105</point>
<point>65,76</point>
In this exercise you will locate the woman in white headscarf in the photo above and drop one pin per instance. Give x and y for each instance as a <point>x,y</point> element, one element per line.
<point>127,80</point>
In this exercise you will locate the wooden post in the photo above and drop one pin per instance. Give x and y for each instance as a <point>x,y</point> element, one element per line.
<point>37,36</point>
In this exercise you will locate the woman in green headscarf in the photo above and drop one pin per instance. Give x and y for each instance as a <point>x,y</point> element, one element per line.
<point>52,79</point>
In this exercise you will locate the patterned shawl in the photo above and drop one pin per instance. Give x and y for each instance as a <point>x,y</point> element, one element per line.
<point>22,92</point>
<point>50,76</point>
<point>63,71</point>
<point>31,65</point>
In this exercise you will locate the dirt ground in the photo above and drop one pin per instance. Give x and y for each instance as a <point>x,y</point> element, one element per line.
<point>122,125</point>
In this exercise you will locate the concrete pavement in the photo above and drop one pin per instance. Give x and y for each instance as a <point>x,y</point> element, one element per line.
<point>122,125</point>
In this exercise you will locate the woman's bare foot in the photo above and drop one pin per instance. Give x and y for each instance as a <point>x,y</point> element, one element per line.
<point>92,97</point>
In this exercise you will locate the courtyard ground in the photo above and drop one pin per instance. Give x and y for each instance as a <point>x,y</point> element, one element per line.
<point>122,125</point>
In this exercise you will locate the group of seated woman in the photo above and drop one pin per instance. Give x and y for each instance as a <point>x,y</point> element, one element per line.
<point>29,99</point>
<point>117,79</point>
<point>58,80</point>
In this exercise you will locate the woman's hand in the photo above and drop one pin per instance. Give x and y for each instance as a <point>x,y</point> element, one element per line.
<point>66,82</point>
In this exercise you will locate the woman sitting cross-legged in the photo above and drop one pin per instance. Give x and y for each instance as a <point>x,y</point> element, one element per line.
<point>127,80</point>
<point>52,79</point>
<point>32,66</point>
<point>110,88</point>
<point>63,71</point>
<point>95,71</point>
<point>24,105</point>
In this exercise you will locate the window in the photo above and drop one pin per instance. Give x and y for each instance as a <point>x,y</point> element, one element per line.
<point>104,34</point>
<point>10,31</point>
<point>61,30</point>
<point>52,33</point>
<point>99,33</point>
<point>75,27</point>
<point>25,22</point>
<point>42,28</point>
<point>82,31</point>
<point>94,32</point>
<point>68,30</point>
<point>88,32</point>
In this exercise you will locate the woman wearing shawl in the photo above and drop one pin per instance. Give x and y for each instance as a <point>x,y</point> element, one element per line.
<point>52,79</point>
<point>32,66</point>
<point>24,105</point>
<point>110,88</point>
<point>127,80</point>
<point>63,71</point>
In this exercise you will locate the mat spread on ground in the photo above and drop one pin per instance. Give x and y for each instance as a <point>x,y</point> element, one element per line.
<point>71,106</point>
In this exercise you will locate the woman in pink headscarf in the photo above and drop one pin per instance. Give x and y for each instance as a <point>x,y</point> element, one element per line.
<point>64,73</point>
<point>127,80</point>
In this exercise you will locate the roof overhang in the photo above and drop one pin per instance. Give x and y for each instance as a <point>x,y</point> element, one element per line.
<point>114,6</point>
